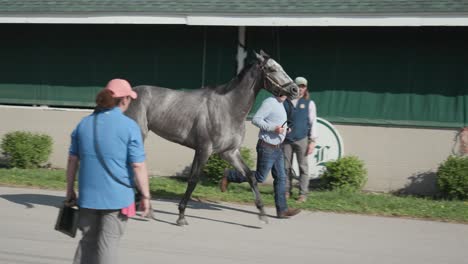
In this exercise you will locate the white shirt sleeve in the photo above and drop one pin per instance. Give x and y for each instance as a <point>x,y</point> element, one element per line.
<point>313,121</point>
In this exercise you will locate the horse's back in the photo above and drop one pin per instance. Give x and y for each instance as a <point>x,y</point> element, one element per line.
<point>187,117</point>
<point>167,96</point>
<point>172,114</point>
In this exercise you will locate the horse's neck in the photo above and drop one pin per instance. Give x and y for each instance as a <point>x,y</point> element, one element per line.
<point>246,90</point>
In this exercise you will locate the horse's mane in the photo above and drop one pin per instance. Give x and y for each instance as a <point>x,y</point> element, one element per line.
<point>226,87</point>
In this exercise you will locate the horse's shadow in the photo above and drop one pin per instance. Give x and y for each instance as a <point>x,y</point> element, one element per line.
<point>30,200</point>
<point>196,203</point>
<point>204,205</point>
<point>208,205</point>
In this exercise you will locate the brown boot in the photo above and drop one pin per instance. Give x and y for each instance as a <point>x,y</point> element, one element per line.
<point>223,183</point>
<point>288,213</point>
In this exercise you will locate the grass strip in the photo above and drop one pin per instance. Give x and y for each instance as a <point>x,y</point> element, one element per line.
<point>328,201</point>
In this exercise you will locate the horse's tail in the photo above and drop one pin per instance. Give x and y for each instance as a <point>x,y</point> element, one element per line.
<point>138,109</point>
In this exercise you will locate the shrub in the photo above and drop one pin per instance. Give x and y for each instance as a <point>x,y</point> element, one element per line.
<point>347,173</point>
<point>25,149</point>
<point>452,178</point>
<point>215,166</point>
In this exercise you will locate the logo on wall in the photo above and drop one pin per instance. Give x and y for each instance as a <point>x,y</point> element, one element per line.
<point>329,146</point>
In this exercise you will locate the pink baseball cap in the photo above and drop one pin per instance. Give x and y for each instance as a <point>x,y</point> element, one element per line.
<point>120,88</point>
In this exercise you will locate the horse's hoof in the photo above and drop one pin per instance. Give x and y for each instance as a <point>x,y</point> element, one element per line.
<point>263,218</point>
<point>182,222</point>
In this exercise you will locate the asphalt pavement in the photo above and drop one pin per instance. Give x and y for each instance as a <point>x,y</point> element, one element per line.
<point>223,233</point>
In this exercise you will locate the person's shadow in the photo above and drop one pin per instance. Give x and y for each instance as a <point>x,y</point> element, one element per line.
<point>30,200</point>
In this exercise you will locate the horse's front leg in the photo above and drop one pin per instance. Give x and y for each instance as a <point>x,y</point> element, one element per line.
<point>234,158</point>
<point>201,157</point>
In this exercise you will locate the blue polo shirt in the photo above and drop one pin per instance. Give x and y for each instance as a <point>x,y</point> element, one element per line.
<point>120,142</point>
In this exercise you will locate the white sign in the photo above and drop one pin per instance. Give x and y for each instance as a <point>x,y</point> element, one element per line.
<point>329,146</point>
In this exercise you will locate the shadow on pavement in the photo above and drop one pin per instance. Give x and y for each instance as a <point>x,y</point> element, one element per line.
<point>196,204</point>
<point>203,218</point>
<point>29,200</point>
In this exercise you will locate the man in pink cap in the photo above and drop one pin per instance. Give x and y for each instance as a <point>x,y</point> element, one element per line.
<point>108,148</point>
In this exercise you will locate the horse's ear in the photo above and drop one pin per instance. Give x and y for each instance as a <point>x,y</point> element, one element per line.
<point>259,57</point>
<point>264,54</point>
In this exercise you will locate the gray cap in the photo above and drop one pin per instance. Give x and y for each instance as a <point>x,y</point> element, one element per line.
<point>300,81</point>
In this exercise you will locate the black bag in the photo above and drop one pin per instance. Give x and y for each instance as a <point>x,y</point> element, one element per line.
<point>67,220</point>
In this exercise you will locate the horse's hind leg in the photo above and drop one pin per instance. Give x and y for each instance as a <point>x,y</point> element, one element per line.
<point>201,157</point>
<point>234,158</point>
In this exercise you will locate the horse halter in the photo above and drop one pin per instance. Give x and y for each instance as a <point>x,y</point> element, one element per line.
<point>272,81</point>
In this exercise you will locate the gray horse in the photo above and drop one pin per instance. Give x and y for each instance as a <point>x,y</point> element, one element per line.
<point>211,119</point>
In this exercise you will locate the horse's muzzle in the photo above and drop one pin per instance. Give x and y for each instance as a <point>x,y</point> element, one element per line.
<point>293,91</point>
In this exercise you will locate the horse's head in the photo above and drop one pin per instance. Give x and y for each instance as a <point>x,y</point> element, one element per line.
<point>276,80</point>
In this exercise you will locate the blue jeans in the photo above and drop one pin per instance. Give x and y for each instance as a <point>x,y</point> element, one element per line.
<point>268,158</point>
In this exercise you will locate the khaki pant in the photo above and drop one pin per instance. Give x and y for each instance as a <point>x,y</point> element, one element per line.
<point>102,230</point>
<point>300,149</point>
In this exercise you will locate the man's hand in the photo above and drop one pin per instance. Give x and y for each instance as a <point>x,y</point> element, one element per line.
<point>72,168</point>
<point>279,130</point>
<point>145,207</point>
<point>71,196</point>
<point>310,148</point>
<point>142,181</point>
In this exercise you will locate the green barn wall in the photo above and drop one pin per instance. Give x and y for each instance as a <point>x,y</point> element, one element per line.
<point>65,65</point>
<point>414,76</point>
<point>390,76</point>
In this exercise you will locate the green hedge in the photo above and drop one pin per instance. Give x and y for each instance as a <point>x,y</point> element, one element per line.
<point>347,173</point>
<point>25,149</point>
<point>452,178</point>
<point>215,166</point>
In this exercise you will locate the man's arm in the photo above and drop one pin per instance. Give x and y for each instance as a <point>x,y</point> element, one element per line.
<point>72,168</point>
<point>259,118</point>
<point>141,175</point>
<point>313,127</point>
<point>313,133</point>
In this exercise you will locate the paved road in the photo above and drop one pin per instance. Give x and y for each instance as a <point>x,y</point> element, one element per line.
<point>222,233</point>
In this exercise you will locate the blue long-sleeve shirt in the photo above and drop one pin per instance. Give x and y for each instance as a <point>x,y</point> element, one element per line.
<point>270,115</point>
